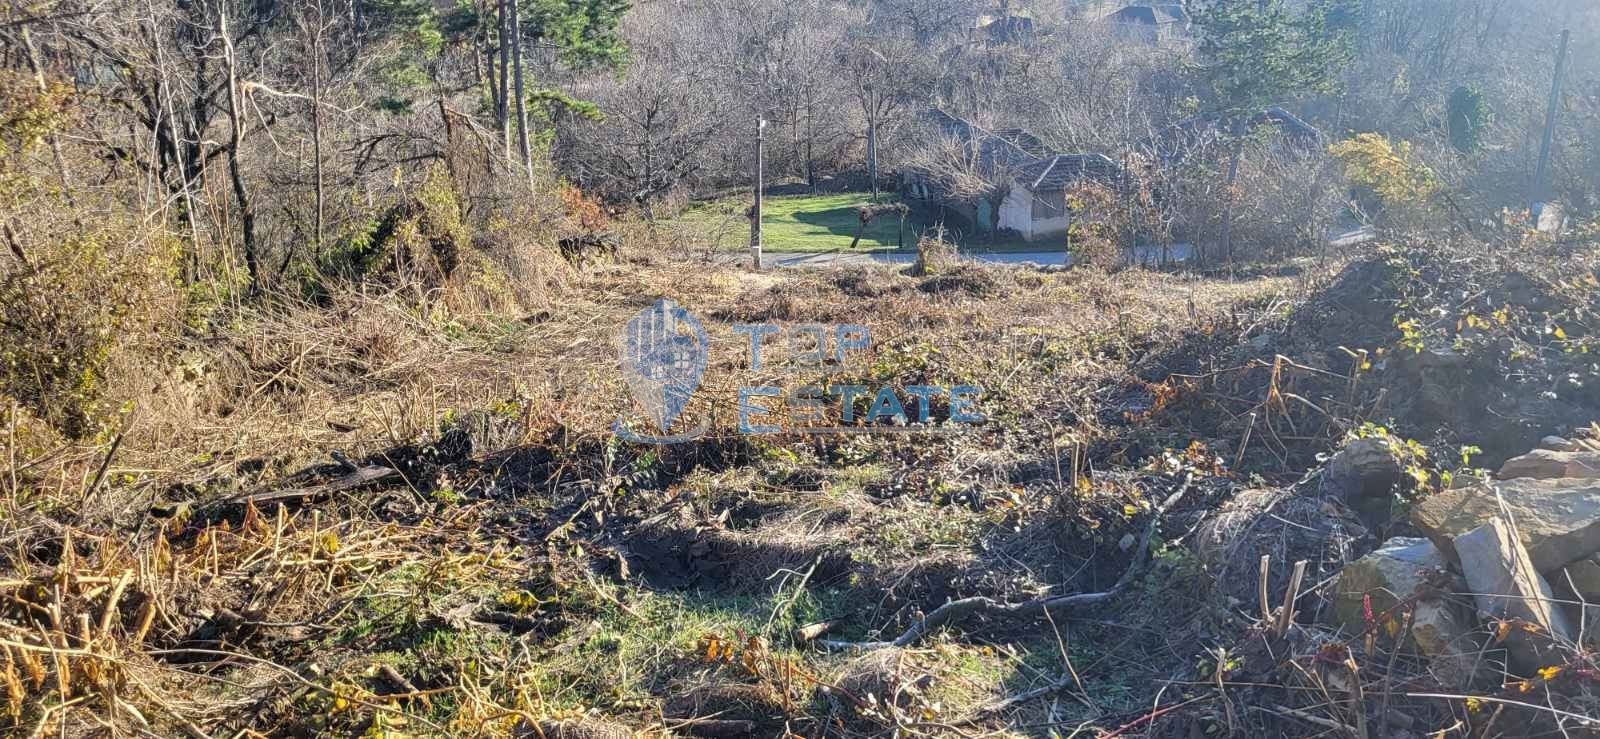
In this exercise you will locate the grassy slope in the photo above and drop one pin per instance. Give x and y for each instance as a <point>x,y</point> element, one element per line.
<point>808,223</point>
<point>494,585</point>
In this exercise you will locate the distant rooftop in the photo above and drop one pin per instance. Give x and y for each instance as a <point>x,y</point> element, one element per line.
<point>1037,167</point>
<point>1151,15</point>
<point>1179,140</point>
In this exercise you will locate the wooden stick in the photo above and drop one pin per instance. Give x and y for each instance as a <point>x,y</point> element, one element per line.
<point>363,476</point>
<point>1286,616</point>
<point>816,629</point>
<point>1261,588</point>
<point>111,603</point>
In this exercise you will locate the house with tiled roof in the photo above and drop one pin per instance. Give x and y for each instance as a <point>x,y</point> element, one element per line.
<point>1203,135</point>
<point>1153,23</point>
<point>1038,179</point>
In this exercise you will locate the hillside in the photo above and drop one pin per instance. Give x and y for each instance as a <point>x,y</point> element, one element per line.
<point>398,368</point>
<point>363,522</point>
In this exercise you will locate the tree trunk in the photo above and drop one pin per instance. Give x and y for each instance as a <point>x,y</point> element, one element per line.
<point>872,155</point>
<point>178,150</point>
<point>522,113</point>
<point>1227,208</point>
<point>247,217</point>
<point>487,46</point>
<point>55,146</point>
<point>811,150</point>
<point>316,128</point>
<point>502,110</point>
<point>994,215</point>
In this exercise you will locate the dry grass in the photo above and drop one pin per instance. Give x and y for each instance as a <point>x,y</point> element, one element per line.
<point>557,578</point>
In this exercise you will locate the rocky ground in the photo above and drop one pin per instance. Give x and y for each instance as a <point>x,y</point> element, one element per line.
<point>1201,506</point>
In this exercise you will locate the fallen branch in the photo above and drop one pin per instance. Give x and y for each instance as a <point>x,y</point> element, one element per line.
<point>1151,716</point>
<point>363,476</point>
<point>959,610</point>
<point>711,727</point>
<point>816,629</point>
<point>1010,702</point>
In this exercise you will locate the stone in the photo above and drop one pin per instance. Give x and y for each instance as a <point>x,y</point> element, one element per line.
<point>1545,464</point>
<point>1438,357</point>
<point>1506,586</point>
<point>1549,217</point>
<point>1557,520</point>
<point>1583,577</point>
<point>1579,583</point>
<point>1397,571</point>
<point>1363,475</point>
<point>1558,444</point>
<point>1365,468</point>
<point>1591,628</point>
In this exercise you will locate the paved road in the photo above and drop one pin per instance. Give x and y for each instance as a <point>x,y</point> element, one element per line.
<point>1177,252</point>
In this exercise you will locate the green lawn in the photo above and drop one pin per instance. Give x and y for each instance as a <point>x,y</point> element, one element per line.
<point>795,223</point>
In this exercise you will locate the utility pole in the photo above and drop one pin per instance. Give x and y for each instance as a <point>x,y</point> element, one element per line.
<point>1541,190</point>
<point>755,212</point>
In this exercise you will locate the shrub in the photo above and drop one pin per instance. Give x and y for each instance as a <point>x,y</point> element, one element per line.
<point>934,254</point>
<point>1286,198</point>
<point>1097,224</point>
<point>1390,172</point>
<point>80,281</point>
<point>1466,116</point>
<point>61,320</point>
<point>583,213</point>
<point>421,238</point>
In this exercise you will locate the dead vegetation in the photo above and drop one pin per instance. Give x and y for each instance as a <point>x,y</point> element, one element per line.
<point>352,517</point>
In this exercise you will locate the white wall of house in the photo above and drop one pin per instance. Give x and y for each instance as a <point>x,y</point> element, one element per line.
<point>1017,213</point>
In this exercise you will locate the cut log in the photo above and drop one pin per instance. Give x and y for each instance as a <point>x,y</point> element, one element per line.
<point>816,630</point>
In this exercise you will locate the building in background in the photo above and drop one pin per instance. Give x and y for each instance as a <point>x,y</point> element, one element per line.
<point>1029,180</point>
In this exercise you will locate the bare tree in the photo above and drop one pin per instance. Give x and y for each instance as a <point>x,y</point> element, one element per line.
<point>518,89</point>
<point>928,21</point>
<point>884,76</point>
<point>241,194</point>
<point>312,22</point>
<point>973,167</point>
<point>663,122</point>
